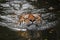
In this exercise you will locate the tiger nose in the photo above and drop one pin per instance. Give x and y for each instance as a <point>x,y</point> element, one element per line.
<point>31,18</point>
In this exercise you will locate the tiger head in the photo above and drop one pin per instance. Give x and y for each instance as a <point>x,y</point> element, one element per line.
<point>30,20</point>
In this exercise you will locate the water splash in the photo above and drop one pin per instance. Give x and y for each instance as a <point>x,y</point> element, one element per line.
<point>13,9</point>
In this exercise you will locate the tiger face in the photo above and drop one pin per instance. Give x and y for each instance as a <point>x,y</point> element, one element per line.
<point>30,20</point>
